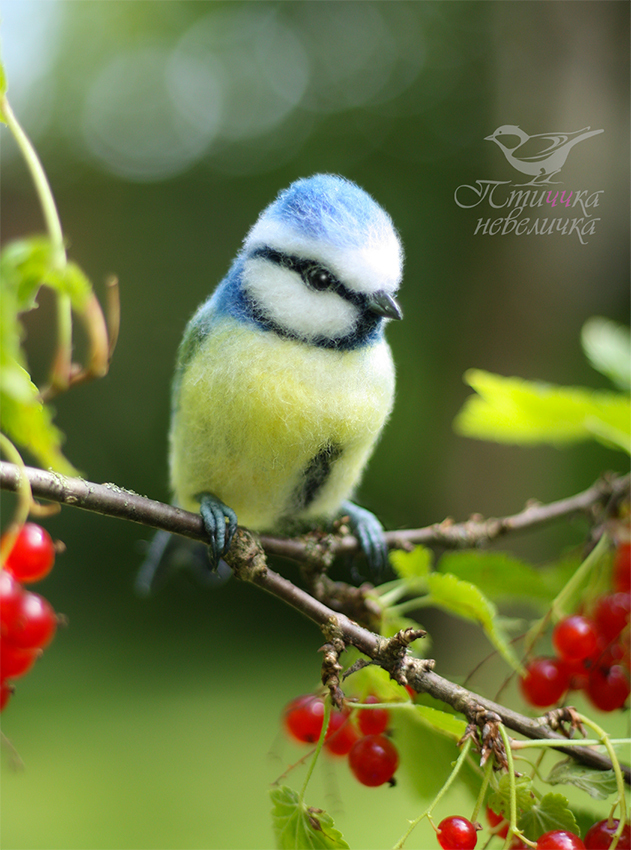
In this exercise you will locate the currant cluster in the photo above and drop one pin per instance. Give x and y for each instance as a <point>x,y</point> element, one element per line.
<point>592,652</point>
<point>27,621</point>
<point>598,837</point>
<point>372,757</point>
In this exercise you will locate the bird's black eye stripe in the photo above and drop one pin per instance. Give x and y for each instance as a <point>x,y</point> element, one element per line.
<point>313,274</point>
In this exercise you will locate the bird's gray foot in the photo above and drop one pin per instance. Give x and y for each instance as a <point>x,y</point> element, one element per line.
<point>370,534</point>
<point>220,523</point>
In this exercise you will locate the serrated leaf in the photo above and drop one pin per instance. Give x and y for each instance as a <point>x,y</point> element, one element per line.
<point>414,566</point>
<point>551,812</point>
<point>298,827</point>
<point>511,410</point>
<point>467,600</point>
<point>599,784</point>
<point>607,346</point>
<point>525,795</point>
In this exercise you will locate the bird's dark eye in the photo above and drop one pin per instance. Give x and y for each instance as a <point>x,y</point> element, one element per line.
<point>318,278</point>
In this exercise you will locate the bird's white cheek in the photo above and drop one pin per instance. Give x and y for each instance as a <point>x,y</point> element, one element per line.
<point>284,299</point>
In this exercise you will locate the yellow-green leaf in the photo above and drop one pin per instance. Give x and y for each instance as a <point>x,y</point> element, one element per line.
<point>467,601</point>
<point>511,410</point>
<point>607,346</point>
<point>412,566</point>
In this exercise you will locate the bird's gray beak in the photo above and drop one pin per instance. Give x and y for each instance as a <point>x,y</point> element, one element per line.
<point>489,138</point>
<point>383,304</point>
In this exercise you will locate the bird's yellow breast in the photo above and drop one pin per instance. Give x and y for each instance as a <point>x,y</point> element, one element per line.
<point>253,410</point>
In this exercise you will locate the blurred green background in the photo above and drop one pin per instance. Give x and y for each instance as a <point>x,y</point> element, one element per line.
<point>165,127</point>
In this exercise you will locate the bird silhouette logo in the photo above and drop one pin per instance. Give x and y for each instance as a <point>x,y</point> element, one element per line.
<point>540,156</point>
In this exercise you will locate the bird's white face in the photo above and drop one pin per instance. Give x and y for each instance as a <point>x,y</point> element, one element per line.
<point>313,289</point>
<point>283,297</point>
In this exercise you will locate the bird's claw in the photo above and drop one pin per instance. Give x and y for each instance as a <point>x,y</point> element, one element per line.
<point>220,523</point>
<point>369,531</point>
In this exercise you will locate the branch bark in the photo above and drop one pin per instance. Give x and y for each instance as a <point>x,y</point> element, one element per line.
<point>247,559</point>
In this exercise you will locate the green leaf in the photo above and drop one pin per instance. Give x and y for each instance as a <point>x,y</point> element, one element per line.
<point>607,346</point>
<point>511,410</point>
<point>414,567</point>
<point>28,422</point>
<point>525,795</point>
<point>25,265</point>
<point>500,574</point>
<point>551,812</point>
<point>297,827</point>
<point>442,721</point>
<point>599,784</point>
<point>467,601</point>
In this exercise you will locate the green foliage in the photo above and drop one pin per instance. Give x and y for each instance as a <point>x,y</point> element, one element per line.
<point>550,812</point>
<point>451,594</point>
<point>608,348</point>
<point>512,410</point>
<point>505,577</point>
<point>25,266</point>
<point>442,721</point>
<point>536,814</point>
<point>599,784</point>
<point>413,567</point>
<point>466,600</point>
<point>296,826</point>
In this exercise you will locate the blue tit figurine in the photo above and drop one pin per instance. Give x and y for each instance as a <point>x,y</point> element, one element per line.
<point>284,379</point>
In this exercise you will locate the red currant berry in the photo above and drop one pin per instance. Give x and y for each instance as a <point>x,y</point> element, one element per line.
<point>600,836</point>
<point>622,571</point>
<point>455,833</point>
<point>11,593</point>
<point>612,614</point>
<point>33,554</point>
<point>35,624</point>
<point>575,638</point>
<point>495,820</point>
<point>15,661</point>
<point>545,682</point>
<point>578,673</point>
<point>608,689</point>
<point>5,694</point>
<point>559,839</point>
<point>374,721</point>
<point>303,718</point>
<point>341,734</point>
<point>373,759</point>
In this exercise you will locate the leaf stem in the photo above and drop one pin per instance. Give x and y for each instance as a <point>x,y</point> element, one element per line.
<point>51,216</point>
<point>621,802</point>
<point>488,770</point>
<point>60,373</point>
<point>318,749</point>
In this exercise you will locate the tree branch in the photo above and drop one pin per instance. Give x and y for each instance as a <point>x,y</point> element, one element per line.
<point>112,500</point>
<point>247,559</point>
